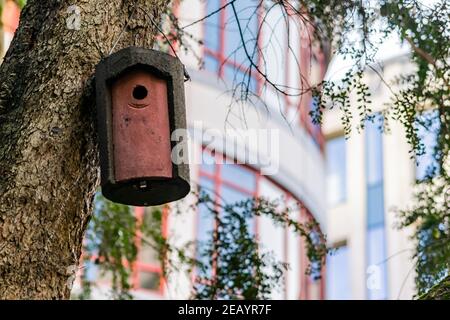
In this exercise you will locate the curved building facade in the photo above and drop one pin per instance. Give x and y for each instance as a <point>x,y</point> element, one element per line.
<point>263,145</point>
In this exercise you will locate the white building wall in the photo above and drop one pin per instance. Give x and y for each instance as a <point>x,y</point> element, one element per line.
<point>301,163</point>
<point>347,221</point>
<point>399,181</point>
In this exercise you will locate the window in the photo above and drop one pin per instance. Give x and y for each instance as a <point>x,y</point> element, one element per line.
<point>338,275</point>
<point>224,51</point>
<point>374,154</point>
<point>374,175</point>
<point>315,70</point>
<point>315,129</point>
<point>147,273</point>
<point>376,263</point>
<point>231,183</point>
<point>90,270</point>
<point>428,126</point>
<point>225,55</point>
<point>336,170</point>
<point>205,223</point>
<point>239,175</point>
<point>375,205</point>
<point>376,239</point>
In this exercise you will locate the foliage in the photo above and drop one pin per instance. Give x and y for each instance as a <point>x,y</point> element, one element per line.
<point>426,29</point>
<point>21,4</point>
<point>243,269</point>
<point>355,29</point>
<point>232,263</point>
<point>431,215</point>
<point>440,291</point>
<point>110,244</point>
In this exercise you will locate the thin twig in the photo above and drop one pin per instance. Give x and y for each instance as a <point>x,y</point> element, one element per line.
<point>186,74</point>
<point>123,30</point>
<point>208,15</point>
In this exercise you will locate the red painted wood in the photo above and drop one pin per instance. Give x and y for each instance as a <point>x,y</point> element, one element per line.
<point>141,131</point>
<point>10,16</point>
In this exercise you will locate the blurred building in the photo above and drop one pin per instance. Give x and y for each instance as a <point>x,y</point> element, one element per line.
<point>350,186</point>
<point>370,176</point>
<point>294,152</point>
<point>10,14</point>
<point>285,145</point>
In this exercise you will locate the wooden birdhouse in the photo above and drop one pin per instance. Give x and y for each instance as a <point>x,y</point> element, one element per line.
<point>140,102</point>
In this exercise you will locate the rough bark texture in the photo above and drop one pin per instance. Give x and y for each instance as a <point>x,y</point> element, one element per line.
<point>48,153</point>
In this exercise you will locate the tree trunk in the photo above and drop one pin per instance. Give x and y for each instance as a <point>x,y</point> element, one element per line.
<point>48,153</point>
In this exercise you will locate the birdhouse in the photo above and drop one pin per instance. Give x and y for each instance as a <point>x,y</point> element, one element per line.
<point>140,102</point>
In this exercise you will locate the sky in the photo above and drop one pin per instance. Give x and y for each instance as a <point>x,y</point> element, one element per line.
<point>392,47</point>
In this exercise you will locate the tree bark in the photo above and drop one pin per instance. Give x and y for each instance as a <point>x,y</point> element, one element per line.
<point>48,152</point>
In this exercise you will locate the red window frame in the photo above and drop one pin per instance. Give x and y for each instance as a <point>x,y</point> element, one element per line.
<point>220,55</point>
<point>305,60</point>
<point>142,266</point>
<point>10,16</point>
<point>138,265</point>
<point>304,215</point>
<point>305,64</point>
